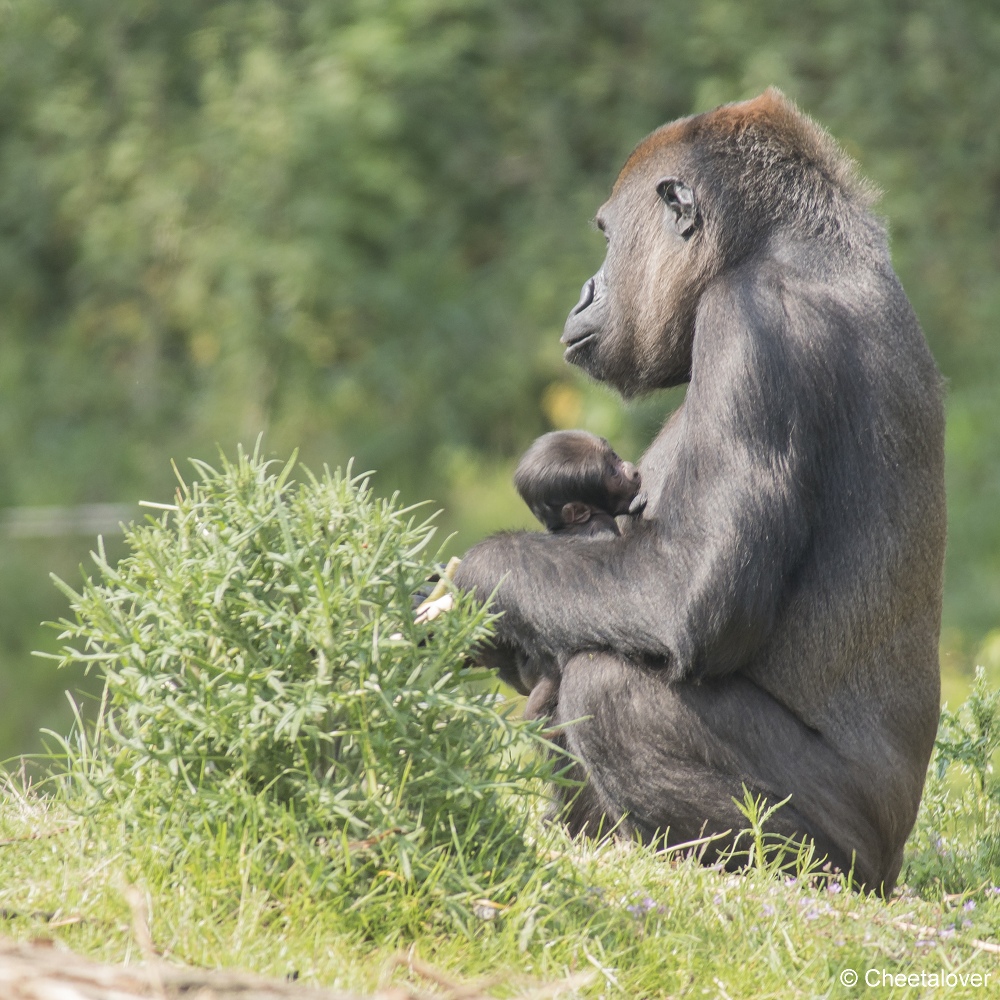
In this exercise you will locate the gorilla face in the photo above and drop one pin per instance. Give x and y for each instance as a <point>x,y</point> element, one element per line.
<point>634,323</point>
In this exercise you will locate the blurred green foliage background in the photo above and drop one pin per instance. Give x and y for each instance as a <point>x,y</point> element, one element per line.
<point>357,226</point>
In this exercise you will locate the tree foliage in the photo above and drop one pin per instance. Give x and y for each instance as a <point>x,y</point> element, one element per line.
<point>358,226</point>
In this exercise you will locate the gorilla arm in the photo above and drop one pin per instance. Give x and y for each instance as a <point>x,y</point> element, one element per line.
<point>695,585</point>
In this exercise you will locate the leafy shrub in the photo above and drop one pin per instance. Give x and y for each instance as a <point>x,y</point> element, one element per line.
<point>955,845</point>
<point>264,674</point>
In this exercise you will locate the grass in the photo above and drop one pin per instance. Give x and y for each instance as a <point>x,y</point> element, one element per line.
<point>300,780</point>
<point>647,926</point>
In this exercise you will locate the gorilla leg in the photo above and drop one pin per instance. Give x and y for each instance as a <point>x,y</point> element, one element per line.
<point>670,758</point>
<point>542,701</point>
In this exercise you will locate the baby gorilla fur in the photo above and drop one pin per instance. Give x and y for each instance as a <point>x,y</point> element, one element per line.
<point>574,483</point>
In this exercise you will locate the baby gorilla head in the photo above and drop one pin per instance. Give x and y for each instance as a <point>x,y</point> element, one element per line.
<point>574,481</point>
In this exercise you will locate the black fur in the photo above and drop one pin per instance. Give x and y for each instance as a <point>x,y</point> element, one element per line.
<point>772,620</point>
<point>574,481</point>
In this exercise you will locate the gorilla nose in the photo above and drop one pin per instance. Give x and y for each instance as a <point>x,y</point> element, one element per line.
<point>586,297</point>
<point>631,472</point>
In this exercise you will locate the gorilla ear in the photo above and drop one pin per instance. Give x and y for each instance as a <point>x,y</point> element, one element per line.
<point>679,198</point>
<point>576,513</point>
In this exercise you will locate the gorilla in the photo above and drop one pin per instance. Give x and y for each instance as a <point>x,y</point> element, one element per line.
<point>575,482</point>
<point>771,621</point>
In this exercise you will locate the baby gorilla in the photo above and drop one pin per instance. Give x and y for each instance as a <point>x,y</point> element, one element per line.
<point>575,484</point>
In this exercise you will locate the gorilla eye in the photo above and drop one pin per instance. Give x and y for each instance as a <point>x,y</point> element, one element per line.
<point>600,225</point>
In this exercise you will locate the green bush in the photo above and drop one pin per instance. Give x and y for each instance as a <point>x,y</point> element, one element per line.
<point>955,846</point>
<point>264,676</point>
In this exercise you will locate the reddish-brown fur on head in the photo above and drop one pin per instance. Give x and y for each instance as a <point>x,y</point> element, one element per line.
<point>771,124</point>
<point>760,174</point>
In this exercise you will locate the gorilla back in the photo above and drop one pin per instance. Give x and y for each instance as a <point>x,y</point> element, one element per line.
<point>772,620</point>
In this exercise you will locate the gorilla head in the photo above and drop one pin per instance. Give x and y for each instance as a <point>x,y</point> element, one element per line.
<point>692,200</point>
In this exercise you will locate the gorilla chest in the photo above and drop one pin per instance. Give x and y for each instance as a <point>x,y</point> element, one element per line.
<point>659,465</point>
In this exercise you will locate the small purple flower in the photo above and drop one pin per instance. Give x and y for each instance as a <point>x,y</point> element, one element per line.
<point>767,909</point>
<point>968,905</point>
<point>966,923</point>
<point>643,907</point>
<point>993,890</point>
<point>717,901</point>
<point>790,882</point>
<point>946,932</point>
<point>834,887</point>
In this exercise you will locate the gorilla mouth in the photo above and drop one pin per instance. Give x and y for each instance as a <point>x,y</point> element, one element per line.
<point>574,345</point>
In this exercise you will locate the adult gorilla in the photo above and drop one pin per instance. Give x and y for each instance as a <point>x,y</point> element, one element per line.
<point>772,620</point>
